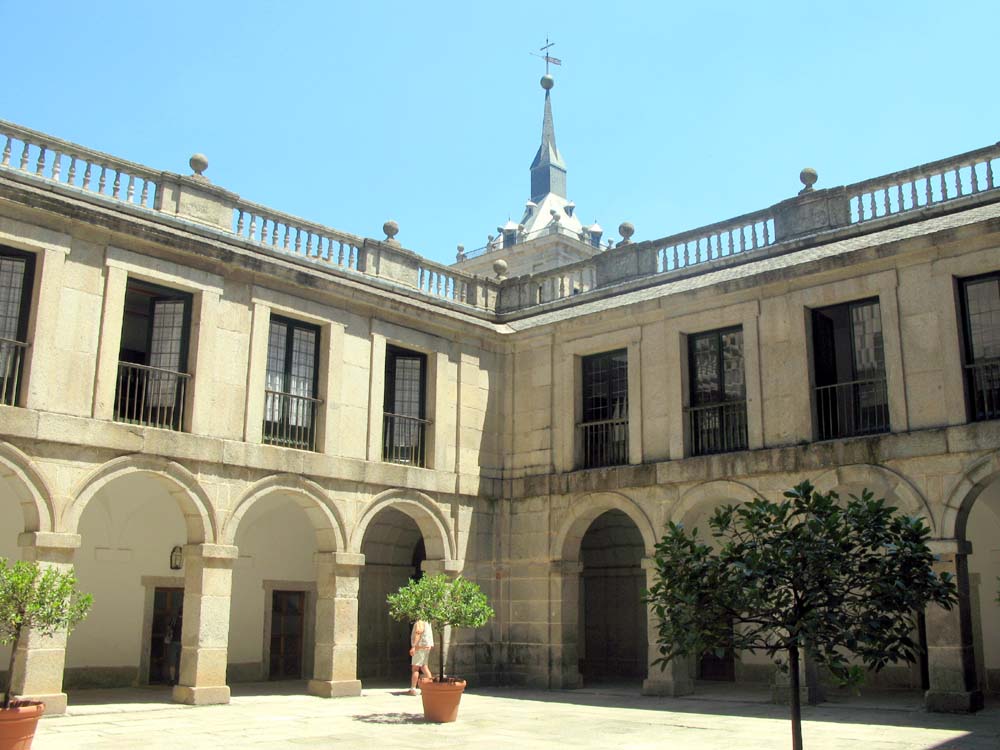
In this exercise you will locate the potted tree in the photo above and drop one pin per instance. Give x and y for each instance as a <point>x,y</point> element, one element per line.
<point>442,602</point>
<point>41,600</point>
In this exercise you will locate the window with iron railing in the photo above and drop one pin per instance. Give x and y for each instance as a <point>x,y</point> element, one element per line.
<point>153,384</point>
<point>717,415</point>
<point>851,397</point>
<point>404,423</point>
<point>602,435</point>
<point>290,386</point>
<point>981,328</point>
<point>17,272</point>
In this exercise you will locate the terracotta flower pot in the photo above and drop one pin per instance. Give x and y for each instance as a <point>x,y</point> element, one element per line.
<point>17,725</point>
<point>441,699</point>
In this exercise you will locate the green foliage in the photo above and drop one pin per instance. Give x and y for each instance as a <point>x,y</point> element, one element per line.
<point>36,598</point>
<point>441,601</point>
<point>807,572</point>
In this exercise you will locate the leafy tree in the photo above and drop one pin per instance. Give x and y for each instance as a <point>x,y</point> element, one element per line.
<point>441,601</point>
<point>805,573</point>
<point>41,599</point>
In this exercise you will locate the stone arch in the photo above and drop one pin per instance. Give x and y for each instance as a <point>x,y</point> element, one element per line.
<point>179,483</point>
<point>31,490</point>
<point>708,495</point>
<point>884,482</point>
<point>434,527</point>
<point>585,510</point>
<point>324,516</point>
<point>962,497</point>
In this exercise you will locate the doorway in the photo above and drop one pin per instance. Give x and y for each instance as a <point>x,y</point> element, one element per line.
<point>287,634</point>
<point>167,604</point>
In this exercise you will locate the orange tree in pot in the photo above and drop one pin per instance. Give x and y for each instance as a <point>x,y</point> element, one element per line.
<point>441,601</point>
<point>43,601</point>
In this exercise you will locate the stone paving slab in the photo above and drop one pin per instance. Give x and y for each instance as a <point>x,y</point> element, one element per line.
<point>491,718</point>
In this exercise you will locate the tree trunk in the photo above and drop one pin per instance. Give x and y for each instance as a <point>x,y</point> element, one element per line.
<point>794,698</point>
<point>440,648</point>
<point>9,682</point>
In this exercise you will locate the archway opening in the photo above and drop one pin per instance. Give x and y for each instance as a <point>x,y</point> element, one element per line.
<point>394,552</point>
<point>128,530</point>
<point>272,617</point>
<point>613,618</point>
<point>11,526</point>
<point>982,531</point>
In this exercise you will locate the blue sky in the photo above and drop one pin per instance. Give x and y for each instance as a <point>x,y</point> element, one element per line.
<point>669,115</point>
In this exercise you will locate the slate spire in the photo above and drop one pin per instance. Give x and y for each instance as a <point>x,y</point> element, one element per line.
<point>548,171</point>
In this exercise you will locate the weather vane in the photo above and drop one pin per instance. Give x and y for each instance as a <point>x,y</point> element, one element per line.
<point>549,59</point>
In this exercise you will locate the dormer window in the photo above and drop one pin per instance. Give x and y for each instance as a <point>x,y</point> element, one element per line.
<point>509,237</point>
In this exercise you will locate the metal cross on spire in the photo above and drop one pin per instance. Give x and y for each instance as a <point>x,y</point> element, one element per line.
<point>546,56</point>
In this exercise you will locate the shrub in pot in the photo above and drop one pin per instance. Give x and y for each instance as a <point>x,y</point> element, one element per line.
<point>441,601</point>
<point>41,600</point>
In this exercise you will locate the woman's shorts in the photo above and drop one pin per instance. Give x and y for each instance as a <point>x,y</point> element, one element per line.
<point>419,658</point>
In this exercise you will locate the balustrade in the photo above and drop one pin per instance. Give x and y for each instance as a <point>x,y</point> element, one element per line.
<point>150,396</point>
<point>404,439</point>
<point>603,442</point>
<point>860,407</point>
<point>290,420</point>
<point>11,363</point>
<point>718,428</point>
<point>983,384</point>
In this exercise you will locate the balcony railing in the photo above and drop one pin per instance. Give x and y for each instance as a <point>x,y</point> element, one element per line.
<point>718,428</point>
<point>404,439</point>
<point>983,380</point>
<point>290,420</point>
<point>150,396</point>
<point>11,361</point>
<point>860,407</point>
<point>604,442</point>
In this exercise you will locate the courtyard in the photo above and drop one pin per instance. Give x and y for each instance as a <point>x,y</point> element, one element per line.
<point>279,715</point>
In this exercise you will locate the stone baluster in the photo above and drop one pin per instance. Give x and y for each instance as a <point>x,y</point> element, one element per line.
<point>974,178</point>
<point>144,196</point>
<point>958,182</point>
<point>913,193</point>
<point>239,223</point>
<point>24,156</point>
<point>40,164</point>
<point>208,577</point>
<point>56,166</point>
<point>872,206</point>
<point>989,174</point>
<point>130,192</point>
<point>274,233</point>
<point>86,176</point>
<point>886,207</point>
<point>71,174</point>
<point>298,240</point>
<point>116,187</point>
<point>928,191</point>
<point>5,160</point>
<point>335,664</point>
<point>40,661</point>
<point>102,181</point>
<point>944,187</point>
<point>767,236</point>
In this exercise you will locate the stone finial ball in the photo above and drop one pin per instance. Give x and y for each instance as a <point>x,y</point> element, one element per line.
<point>626,230</point>
<point>391,229</point>
<point>500,267</point>
<point>808,177</point>
<point>199,163</point>
<point>547,82</point>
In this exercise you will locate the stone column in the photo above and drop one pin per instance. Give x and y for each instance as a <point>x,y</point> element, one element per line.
<point>674,679</point>
<point>564,624</point>
<point>950,650</point>
<point>40,661</point>
<point>335,666</point>
<point>810,690</point>
<point>208,581</point>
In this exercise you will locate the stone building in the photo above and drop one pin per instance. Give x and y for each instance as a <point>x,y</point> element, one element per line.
<point>219,411</point>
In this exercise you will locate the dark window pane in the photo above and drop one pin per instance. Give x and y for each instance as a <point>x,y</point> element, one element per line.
<point>291,384</point>
<point>12,277</point>
<point>983,310</point>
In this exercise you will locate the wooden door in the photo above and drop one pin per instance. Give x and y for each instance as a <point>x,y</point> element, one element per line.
<point>287,628</point>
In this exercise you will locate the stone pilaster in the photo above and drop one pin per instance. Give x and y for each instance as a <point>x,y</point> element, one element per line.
<point>950,652</point>
<point>564,624</point>
<point>208,581</point>
<point>335,665</point>
<point>674,678</point>
<point>40,660</point>
<point>810,689</point>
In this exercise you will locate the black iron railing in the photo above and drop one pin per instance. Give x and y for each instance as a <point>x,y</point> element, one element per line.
<point>983,384</point>
<point>860,407</point>
<point>11,362</point>
<point>404,439</point>
<point>290,420</point>
<point>718,428</point>
<point>604,442</point>
<point>150,396</point>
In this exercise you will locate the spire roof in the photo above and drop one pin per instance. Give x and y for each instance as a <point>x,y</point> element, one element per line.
<point>548,170</point>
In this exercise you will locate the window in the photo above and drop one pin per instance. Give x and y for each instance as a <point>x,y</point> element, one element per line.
<point>17,271</point>
<point>404,424</point>
<point>290,388</point>
<point>717,415</point>
<point>981,325</point>
<point>604,428</point>
<point>849,368</point>
<point>152,382</point>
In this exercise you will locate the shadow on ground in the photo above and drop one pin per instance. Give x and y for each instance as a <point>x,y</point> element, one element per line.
<point>393,718</point>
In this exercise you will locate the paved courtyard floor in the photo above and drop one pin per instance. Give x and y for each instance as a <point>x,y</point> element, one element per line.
<point>278,715</point>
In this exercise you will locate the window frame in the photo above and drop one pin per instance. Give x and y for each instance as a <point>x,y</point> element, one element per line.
<point>393,353</point>
<point>10,387</point>
<point>968,355</point>
<point>612,456</point>
<point>695,407</point>
<point>292,324</point>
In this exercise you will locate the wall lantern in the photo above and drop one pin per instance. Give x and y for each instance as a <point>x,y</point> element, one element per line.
<point>176,558</point>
